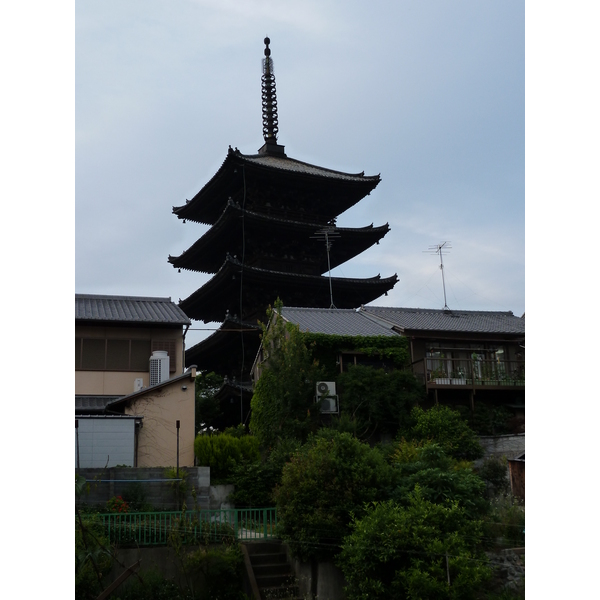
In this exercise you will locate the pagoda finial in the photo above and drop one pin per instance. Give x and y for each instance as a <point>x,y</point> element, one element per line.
<point>269,104</point>
<point>269,97</point>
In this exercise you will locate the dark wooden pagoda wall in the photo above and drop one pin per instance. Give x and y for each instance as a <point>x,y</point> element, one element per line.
<point>284,194</point>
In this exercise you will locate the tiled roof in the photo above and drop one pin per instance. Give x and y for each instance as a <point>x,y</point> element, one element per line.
<point>85,403</point>
<point>290,164</point>
<point>128,309</point>
<point>334,321</point>
<point>467,321</point>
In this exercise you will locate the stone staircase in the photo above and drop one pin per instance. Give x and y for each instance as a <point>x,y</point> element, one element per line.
<point>267,564</point>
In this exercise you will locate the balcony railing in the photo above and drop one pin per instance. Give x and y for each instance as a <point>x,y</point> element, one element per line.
<point>470,372</point>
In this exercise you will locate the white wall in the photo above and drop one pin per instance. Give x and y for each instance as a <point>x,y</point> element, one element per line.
<point>105,439</point>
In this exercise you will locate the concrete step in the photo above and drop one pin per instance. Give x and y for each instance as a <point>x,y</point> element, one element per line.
<point>274,580</point>
<point>280,593</point>
<point>263,547</point>
<point>272,569</point>
<point>268,559</point>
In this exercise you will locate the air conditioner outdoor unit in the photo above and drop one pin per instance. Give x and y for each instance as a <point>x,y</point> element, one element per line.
<point>325,388</point>
<point>138,384</point>
<point>329,405</point>
<point>159,367</point>
<point>327,397</point>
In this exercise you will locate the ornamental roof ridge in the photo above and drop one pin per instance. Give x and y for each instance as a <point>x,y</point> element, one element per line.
<point>280,162</point>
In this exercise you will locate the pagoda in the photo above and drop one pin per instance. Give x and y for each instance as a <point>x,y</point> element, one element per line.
<point>273,234</point>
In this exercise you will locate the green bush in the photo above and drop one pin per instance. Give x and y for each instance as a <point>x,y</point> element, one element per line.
<point>378,400</point>
<point>409,552</point>
<point>446,427</point>
<point>331,477</point>
<point>221,452</point>
<point>495,473</point>
<point>255,482</point>
<point>284,395</point>
<point>506,522</point>
<point>486,419</point>
<point>93,557</point>
<point>154,587</point>
<point>440,478</point>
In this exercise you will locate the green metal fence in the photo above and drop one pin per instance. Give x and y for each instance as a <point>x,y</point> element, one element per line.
<point>192,527</point>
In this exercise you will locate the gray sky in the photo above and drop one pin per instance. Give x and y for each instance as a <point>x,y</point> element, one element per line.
<point>429,94</point>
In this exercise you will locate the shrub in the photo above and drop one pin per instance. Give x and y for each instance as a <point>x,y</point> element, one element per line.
<point>93,557</point>
<point>154,587</point>
<point>221,452</point>
<point>117,505</point>
<point>495,473</point>
<point>440,478</point>
<point>378,400</point>
<point>446,427</point>
<point>255,482</point>
<point>284,395</point>
<point>507,521</point>
<point>409,552</point>
<point>135,495</point>
<point>326,481</point>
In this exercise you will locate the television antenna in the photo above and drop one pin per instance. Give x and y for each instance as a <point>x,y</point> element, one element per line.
<point>327,234</point>
<point>439,249</point>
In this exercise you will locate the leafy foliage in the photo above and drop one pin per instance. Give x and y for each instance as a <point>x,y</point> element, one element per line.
<point>93,557</point>
<point>446,427</point>
<point>331,477</point>
<point>208,410</point>
<point>154,587</point>
<point>494,472</point>
<point>409,551</point>
<point>221,452</point>
<point>255,482</point>
<point>283,397</point>
<point>488,420</point>
<point>440,478</point>
<point>393,352</point>
<point>378,400</point>
<point>507,521</point>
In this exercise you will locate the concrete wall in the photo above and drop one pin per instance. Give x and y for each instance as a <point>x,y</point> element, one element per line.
<point>106,483</point>
<point>318,580</point>
<point>161,408</point>
<point>503,445</point>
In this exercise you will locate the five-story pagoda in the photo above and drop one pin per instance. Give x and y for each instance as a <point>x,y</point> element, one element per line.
<point>273,234</point>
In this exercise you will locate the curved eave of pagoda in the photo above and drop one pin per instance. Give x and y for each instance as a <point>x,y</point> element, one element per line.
<point>221,351</point>
<point>206,206</point>
<point>207,254</point>
<point>312,291</point>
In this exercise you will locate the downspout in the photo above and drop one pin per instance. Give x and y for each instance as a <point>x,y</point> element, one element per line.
<point>183,348</point>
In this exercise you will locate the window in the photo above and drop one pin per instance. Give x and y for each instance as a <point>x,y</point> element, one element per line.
<point>99,354</point>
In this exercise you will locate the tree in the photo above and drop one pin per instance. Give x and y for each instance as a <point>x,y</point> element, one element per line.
<point>330,478</point>
<point>409,552</point>
<point>208,409</point>
<point>440,478</point>
<point>221,452</point>
<point>377,400</point>
<point>446,427</point>
<point>283,397</point>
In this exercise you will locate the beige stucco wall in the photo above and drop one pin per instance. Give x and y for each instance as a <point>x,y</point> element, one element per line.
<point>161,408</point>
<point>120,383</point>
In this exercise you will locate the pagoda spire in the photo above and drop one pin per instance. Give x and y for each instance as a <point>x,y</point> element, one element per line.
<point>269,106</point>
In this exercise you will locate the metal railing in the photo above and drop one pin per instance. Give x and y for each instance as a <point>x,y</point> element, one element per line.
<point>192,527</point>
<point>470,372</point>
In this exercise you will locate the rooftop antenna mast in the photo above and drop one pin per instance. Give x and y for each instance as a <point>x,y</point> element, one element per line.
<point>438,249</point>
<point>327,233</point>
